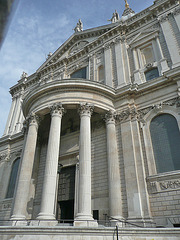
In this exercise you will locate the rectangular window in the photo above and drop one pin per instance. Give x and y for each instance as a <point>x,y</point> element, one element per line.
<point>81,73</point>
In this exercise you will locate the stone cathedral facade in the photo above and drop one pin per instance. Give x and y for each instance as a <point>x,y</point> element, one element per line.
<point>92,137</point>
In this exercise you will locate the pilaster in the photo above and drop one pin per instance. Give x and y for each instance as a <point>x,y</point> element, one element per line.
<point>137,196</point>
<point>170,39</point>
<point>108,65</point>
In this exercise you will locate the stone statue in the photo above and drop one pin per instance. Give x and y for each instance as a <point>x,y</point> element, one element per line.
<point>79,26</point>
<point>115,17</point>
<point>24,75</point>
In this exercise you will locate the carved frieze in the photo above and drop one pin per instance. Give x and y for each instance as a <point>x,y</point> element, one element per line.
<point>161,186</point>
<point>123,115</point>
<point>173,102</point>
<point>141,113</point>
<point>157,107</point>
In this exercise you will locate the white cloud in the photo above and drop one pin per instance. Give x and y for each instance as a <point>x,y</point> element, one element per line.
<point>40,27</point>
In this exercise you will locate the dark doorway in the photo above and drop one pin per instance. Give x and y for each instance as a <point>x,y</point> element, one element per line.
<point>66,189</point>
<point>66,211</point>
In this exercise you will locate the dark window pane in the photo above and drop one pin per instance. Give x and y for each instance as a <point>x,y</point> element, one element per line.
<point>81,73</point>
<point>165,137</point>
<point>12,181</point>
<point>153,73</point>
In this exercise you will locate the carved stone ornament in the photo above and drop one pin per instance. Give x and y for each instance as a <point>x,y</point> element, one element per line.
<point>161,186</point>
<point>149,66</point>
<point>123,115</point>
<point>176,11</point>
<point>4,157</point>
<point>141,113</point>
<point>163,18</point>
<point>33,118</point>
<point>157,107</point>
<point>110,116</point>
<point>30,119</point>
<point>85,109</point>
<point>57,109</point>
<point>77,47</point>
<point>107,46</point>
<point>173,102</point>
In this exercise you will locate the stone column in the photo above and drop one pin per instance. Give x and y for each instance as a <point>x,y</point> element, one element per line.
<point>84,216</point>
<point>50,175</point>
<point>115,200</point>
<point>26,166</point>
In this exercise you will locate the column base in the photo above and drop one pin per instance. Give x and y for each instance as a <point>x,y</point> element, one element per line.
<point>40,222</point>
<point>45,216</point>
<point>18,220</point>
<point>85,223</point>
<point>82,220</point>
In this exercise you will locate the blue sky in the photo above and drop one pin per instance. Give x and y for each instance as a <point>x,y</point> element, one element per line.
<point>41,26</point>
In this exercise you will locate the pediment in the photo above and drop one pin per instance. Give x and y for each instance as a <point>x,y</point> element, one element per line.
<point>74,44</point>
<point>77,46</point>
<point>144,35</point>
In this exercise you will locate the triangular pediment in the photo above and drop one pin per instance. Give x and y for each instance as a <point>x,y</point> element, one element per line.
<point>74,44</point>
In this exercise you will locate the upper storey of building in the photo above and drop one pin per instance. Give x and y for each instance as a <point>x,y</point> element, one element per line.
<point>136,51</point>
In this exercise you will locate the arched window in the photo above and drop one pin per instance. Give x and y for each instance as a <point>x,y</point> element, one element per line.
<point>13,177</point>
<point>165,137</point>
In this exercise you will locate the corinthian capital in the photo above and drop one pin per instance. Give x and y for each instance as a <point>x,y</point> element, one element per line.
<point>110,117</point>
<point>57,109</point>
<point>85,109</point>
<point>33,118</point>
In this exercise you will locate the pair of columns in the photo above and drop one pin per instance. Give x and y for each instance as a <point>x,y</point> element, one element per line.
<point>84,216</point>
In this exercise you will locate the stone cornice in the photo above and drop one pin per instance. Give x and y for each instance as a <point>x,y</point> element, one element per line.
<point>10,138</point>
<point>67,85</point>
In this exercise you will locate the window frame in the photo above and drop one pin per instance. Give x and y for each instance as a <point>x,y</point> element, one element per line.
<point>8,191</point>
<point>158,159</point>
<point>166,109</point>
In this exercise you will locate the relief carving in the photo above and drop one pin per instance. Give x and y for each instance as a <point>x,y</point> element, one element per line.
<point>169,184</point>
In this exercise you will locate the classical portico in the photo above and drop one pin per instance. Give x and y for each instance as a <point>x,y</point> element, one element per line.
<point>56,110</point>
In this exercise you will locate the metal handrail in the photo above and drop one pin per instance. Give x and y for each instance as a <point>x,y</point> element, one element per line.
<point>124,221</point>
